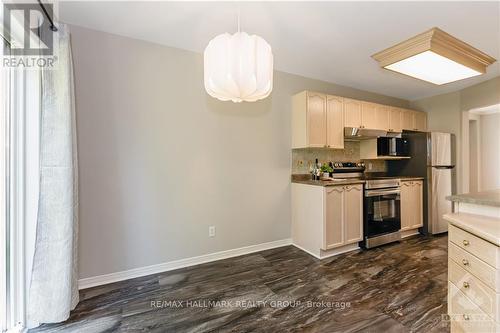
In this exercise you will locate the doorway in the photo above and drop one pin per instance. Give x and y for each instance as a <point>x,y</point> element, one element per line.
<point>481,149</point>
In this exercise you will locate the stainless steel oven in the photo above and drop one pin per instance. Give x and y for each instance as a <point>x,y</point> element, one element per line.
<point>382,212</point>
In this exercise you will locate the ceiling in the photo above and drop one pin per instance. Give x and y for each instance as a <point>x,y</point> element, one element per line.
<point>487,110</point>
<point>330,41</point>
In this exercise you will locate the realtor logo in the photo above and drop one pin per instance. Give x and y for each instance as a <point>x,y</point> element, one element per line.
<point>26,30</point>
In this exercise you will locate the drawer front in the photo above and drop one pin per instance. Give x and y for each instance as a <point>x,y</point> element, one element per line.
<point>484,272</point>
<point>468,316</point>
<point>479,247</point>
<point>479,293</point>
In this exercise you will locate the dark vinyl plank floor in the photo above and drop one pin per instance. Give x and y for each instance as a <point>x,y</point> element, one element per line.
<point>399,287</point>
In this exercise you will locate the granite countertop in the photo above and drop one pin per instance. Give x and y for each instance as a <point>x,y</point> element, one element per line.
<point>403,178</point>
<point>484,227</point>
<point>306,179</point>
<point>328,182</point>
<point>486,198</point>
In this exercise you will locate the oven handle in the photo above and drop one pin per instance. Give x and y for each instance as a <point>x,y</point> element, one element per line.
<point>374,193</point>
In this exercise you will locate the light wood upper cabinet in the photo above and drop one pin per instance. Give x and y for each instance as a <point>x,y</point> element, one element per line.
<point>368,115</point>
<point>343,215</point>
<point>334,219</point>
<point>395,120</point>
<point>352,112</point>
<point>316,119</point>
<point>407,120</point>
<point>411,204</point>
<point>382,113</point>
<point>420,121</point>
<point>335,122</point>
<point>414,120</point>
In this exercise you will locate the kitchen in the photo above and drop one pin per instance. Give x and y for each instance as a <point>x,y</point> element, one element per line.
<point>369,206</point>
<point>250,166</point>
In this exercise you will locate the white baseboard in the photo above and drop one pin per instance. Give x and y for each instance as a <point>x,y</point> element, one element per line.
<point>330,253</point>
<point>306,251</point>
<point>171,265</point>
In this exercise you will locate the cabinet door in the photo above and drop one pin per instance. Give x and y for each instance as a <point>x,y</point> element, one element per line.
<point>420,121</point>
<point>418,212</point>
<point>333,234</point>
<point>407,120</point>
<point>406,205</point>
<point>316,119</point>
<point>382,113</point>
<point>395,120</point>
<point>368,115</point>
<point>335,122</point>
<point>353,213</point>
<point>352,113</point>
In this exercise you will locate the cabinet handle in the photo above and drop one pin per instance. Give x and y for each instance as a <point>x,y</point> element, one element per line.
<point>465,242</point>
<point>465,262</point>
<point>466,285</point>
<point>466,317</point>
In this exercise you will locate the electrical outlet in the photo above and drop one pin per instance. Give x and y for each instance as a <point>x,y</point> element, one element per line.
<point>211,231</point>
<point>370,166</point>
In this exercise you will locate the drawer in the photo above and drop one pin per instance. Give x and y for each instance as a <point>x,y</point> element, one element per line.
<point>466,315</point>
<point>479,293</point>
<point>482,249</point>
<point>484,272</point>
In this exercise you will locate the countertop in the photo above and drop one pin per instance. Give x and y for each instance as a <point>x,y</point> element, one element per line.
<point>487,228</point>
<point>486,198</point>
<point>306,179</point>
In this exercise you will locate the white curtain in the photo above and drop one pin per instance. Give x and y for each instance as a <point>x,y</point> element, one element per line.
<point>53,291</point>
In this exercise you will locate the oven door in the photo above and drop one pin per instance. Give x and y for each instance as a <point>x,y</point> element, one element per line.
<point>382,211</point>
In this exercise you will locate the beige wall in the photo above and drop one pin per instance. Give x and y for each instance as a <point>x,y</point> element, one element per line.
<point>446,113</point>
<point>490,152</point>
<point>160,160</point>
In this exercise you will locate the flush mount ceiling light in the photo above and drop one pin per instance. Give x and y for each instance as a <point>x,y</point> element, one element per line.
<point>238,67</point>
<point>434,56</point>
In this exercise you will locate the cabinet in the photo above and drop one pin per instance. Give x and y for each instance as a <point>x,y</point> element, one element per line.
<point>368,115</point>
<point>317,121</point>
<point>335,122</point>
<point>395,120</point>
<point>352,111</point>
<point>327,220</point>
<point>411,204</point>
<point>420,121</point>
<point>414,120</point>
<point>382,117</point>
<point>343,216</point>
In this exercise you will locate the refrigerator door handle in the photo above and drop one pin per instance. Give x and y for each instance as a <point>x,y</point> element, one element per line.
<point>443,166</point>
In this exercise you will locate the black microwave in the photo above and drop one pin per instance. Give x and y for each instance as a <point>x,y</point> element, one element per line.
<point>393,147</point>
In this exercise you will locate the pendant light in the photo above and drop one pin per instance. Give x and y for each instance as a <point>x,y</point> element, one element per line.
<point>238,67</point>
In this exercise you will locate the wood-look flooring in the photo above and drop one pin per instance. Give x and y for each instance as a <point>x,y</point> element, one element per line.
<point>399,287</point>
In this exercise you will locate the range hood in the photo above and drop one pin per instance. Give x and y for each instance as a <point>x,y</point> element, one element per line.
<point>356,133</point>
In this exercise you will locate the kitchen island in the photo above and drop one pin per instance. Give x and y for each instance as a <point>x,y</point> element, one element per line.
<point>474,262</point>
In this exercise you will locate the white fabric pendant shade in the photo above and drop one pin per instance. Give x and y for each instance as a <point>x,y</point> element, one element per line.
<point>238,67</point>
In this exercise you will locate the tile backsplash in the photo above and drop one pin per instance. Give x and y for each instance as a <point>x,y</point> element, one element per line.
<point>303,159</point>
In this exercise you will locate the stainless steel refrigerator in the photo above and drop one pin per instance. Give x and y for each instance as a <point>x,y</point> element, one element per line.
<point>432,157</point>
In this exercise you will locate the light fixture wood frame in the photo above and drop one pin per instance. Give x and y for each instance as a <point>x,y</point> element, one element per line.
<point>439,42</point>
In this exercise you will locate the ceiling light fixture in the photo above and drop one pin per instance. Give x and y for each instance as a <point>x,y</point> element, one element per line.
<point>238,67</point>
<point>434,56</point>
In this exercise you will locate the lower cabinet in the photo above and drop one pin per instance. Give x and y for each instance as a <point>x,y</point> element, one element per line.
<point>412,204</point>
<point>327,220</point>
<point>344,215</point>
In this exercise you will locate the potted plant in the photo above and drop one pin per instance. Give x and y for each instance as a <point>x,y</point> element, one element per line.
<point>326,170</point>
